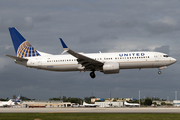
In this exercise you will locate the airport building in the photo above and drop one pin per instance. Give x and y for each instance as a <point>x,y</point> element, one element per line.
<point>44,104</point>
<point>117,99</point>
<point>57,104</point>
<point>160,102</point>
<point>93,100</point>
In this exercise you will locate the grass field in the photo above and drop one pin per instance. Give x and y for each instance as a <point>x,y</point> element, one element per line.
<point>87,116</point>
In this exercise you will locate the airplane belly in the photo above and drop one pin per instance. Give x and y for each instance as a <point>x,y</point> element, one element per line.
<point>161,63</point>
<point>128,65</point>
<point>61,68</point>
<point>134,65</point>
<point>143,64</point>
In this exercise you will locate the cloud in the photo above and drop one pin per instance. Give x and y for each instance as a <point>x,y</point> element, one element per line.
<point>3,63</point>
<point>97,37</point>
<point>123,23</point>
<point>163,49</point>
<point>159,26</point>
<point>25,23</point>
<point>163,25</point>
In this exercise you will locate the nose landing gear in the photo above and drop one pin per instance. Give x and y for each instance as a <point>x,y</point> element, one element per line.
<point>160,68</point>
<point>92,74</point>
<point>159,72</point>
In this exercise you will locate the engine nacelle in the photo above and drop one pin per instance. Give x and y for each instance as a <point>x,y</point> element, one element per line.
<point>111,68</point>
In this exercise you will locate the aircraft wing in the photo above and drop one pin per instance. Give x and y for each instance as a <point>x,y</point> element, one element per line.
<point>17,58</point>
<point>85,61</point>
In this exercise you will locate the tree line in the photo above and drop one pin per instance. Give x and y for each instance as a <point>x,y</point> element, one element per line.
<point>145,101</point>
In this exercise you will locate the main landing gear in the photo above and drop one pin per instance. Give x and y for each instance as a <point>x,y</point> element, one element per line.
<point>92,74</point>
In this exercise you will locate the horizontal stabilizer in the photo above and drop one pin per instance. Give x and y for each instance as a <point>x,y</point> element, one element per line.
<point>17,58</point>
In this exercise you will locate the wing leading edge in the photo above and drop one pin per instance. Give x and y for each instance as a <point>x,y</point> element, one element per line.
<point>85,61</point>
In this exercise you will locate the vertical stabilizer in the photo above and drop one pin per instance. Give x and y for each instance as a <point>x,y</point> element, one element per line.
<point>22,47</point>
<point>18,98</point>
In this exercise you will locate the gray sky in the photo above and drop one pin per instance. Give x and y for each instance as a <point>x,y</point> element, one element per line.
<point>91,26</point>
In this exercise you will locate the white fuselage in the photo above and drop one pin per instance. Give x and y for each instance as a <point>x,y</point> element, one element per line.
<point>7,103</point>
<point>126,60</point>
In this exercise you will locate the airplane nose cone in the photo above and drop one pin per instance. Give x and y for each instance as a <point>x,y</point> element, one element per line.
<point>173,60</point>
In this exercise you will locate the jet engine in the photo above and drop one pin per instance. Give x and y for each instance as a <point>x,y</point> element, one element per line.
<point>111,68</point>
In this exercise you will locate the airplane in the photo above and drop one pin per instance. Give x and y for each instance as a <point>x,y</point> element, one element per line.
<point>89,105</point>
<point>107,63</point>
<point>75,105</point>
<point>131,104</point>
<point>11,102</point>
<point>7,103</point>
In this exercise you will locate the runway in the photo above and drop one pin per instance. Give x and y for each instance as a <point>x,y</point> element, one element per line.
<point>89,110</point>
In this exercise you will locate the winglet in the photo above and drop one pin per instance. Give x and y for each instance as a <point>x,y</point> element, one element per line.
<point>63,44</point>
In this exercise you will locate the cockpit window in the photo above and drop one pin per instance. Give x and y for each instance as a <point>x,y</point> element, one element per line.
<point>165,56</point>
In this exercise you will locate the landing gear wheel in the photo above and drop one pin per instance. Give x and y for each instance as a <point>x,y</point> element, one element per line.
<point>159,72</point>
<point>92,74</point>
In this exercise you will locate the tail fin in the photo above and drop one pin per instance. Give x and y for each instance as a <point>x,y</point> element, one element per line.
<point>22,47</point>
<point>18,98</point>
<point>10,101</point>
